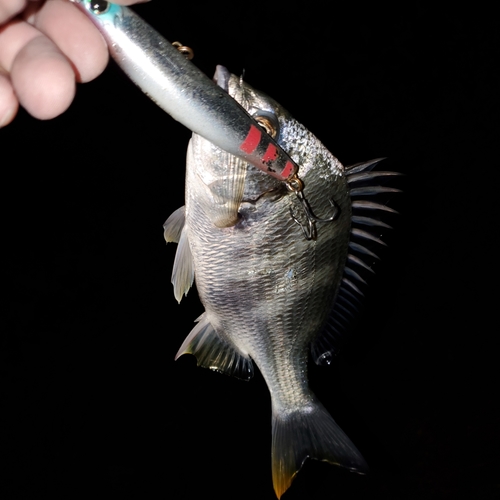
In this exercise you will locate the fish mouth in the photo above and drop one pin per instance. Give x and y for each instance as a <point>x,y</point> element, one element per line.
<point>221,77</point>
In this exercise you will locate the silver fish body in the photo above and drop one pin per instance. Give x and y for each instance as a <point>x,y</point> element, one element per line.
<point>267,290</point>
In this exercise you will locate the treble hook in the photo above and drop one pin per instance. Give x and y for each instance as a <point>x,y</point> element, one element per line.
<point>296,185</point>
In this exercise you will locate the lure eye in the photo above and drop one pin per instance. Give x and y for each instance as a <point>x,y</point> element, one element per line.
<point>99,7</point>
<point>269,123</point>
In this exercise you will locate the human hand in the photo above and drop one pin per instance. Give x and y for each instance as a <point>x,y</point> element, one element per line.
<point>46,46</point>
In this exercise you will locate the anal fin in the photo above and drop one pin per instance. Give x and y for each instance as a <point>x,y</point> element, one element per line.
<point>214,352</point>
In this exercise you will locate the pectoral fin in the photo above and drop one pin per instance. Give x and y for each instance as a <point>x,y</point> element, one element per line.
<point>227,191</point>
<point>214,352</point>
<point>183,271</point>
<point>173,226</point>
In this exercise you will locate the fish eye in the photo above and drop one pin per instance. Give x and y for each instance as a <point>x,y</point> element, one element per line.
<point>99,6</point>
<point>268,122</point>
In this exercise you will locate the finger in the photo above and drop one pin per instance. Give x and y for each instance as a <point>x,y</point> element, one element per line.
<point>8,101</point>
<point>10,8</point>
<point>75,35</point>
<point>43,79</point>
<point>13,37</point>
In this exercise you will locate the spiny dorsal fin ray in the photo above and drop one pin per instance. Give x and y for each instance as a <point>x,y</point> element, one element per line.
<point>372,190</point>
<point>361,263</point>
<point>348,295</point>
<point>369,176</point>
<point>352,304</point>
<point>353,274</point>
<point>370,205</point>
<point>214,352</point>
<point>363,183</point>
<point>351,285</point>
<point>368,221</point>
<point>360,167</point>
<point>362,249</point>
<point>346,309</point>
<point>365,235</point>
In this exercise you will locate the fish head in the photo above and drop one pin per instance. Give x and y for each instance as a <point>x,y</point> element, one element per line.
<point>274,119</point>
<point>222,181</point>
<point>231,190</point>
<point>304,148</point>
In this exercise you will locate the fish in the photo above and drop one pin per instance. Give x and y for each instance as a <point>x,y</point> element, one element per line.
<point>161,70</point>
<point>270,294</point>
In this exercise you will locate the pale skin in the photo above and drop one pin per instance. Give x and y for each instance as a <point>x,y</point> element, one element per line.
<point>46,46</point>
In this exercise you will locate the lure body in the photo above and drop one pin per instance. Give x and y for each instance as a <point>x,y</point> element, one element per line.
<point>183,91</point>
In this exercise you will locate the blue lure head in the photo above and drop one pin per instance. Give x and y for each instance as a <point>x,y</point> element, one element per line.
<point>105,11</point>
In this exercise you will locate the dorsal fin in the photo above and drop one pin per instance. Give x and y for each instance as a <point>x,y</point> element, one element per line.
<point>366,229</point>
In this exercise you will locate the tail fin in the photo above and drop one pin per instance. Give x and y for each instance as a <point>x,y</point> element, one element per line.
<point>309,432</point>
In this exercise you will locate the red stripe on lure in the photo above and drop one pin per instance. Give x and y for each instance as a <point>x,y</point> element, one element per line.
<point>288,170</point>
<point>252,140</point>
<point>271,156</point>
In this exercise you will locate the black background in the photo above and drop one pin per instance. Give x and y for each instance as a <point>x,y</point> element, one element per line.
<point>93,402</point>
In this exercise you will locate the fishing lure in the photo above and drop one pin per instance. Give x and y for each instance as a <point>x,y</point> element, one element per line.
<point>190,97</point>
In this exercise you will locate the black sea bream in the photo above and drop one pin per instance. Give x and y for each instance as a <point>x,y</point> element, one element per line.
<point>270,294</point>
